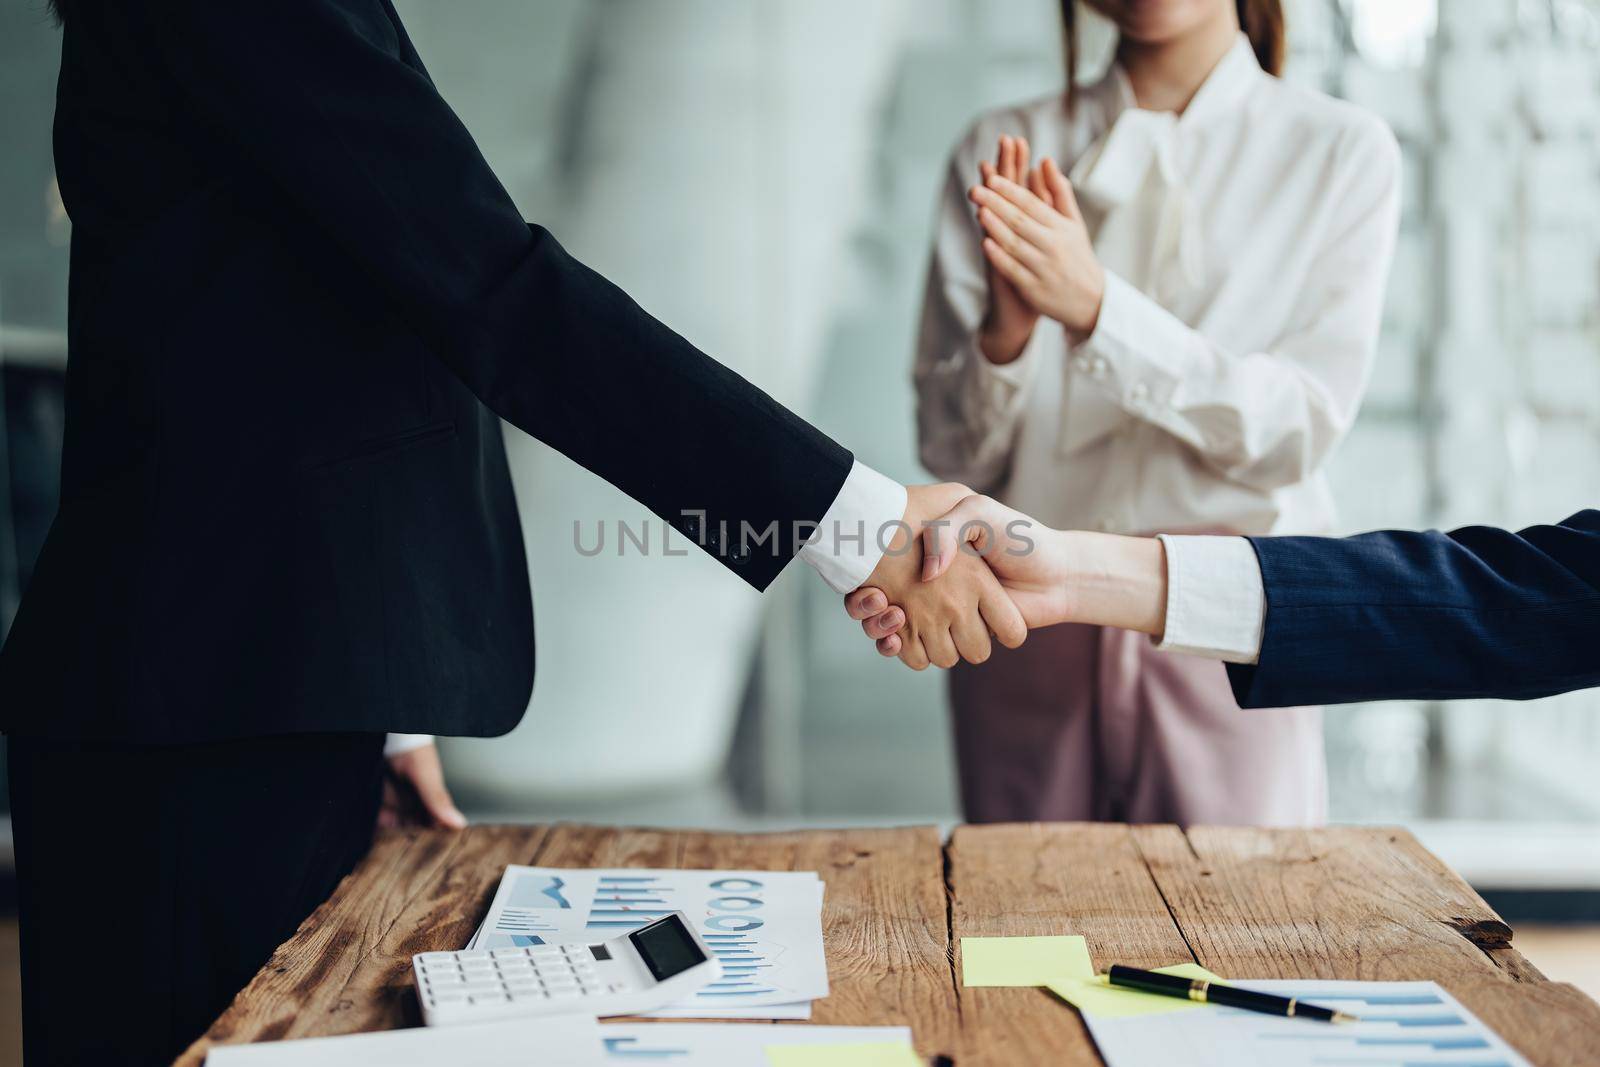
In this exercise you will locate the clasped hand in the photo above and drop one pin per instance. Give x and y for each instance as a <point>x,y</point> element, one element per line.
<point>956,615</point>
<point>978,568</point>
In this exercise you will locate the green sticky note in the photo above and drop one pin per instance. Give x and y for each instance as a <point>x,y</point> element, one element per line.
<point>1093,997</point>
<point>1012,961</point>
<point>865,1054</point>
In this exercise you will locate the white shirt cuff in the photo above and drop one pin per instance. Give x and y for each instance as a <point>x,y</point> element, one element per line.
<point>851,537</point>
<point>1139,352</point>
<point>1216,604</point>
<point>396,744</point>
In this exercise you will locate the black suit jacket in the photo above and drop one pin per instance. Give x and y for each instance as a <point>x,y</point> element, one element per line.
<point>299,298</point>
<point>1477,612</point>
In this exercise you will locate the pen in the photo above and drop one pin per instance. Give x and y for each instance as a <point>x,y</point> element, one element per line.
<point>1209,992</point>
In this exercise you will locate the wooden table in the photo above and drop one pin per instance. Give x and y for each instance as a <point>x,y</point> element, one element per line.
<point>1334,903</point>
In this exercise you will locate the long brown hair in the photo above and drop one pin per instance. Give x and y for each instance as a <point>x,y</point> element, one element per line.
<point>1261,20</point>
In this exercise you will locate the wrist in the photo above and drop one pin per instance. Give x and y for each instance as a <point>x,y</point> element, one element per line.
<point>1082,327</point>
<point>1003,342</point>
<point>1116,581</point>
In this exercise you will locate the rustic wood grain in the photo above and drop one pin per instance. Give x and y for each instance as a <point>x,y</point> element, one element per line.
<point>1551,1023</point>
<point>1334,903</point>
<point>1059,878</point>
<point>347,968</point>
<point>1341,902</point>
<point>605,846</point>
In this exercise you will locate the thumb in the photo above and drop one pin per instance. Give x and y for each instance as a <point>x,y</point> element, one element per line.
<point>941,540</point>
<point>427,778</point>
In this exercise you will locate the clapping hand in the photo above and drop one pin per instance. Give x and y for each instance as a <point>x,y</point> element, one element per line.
<point>1035,239</point>
<point>1010,319</point>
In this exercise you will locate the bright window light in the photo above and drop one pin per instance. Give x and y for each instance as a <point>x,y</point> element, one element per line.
<point>1393,33</point>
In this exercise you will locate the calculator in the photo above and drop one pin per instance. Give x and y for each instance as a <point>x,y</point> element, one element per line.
<point>641,971</point>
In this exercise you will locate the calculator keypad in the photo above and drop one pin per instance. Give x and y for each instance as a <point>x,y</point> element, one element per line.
<point>506,976</point>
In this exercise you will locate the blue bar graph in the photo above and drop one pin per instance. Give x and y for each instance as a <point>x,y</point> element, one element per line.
<point>627,902</point>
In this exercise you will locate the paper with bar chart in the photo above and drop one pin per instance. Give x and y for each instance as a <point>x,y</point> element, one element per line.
<point>1402,1024</point>
<point>764,926</point>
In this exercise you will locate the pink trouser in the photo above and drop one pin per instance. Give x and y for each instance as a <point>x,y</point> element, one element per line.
<point>1084,723</point>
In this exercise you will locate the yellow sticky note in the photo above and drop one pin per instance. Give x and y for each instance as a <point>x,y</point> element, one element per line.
<point>864,1054</point>
<point>1093,997</point>
<point>1011,961</point>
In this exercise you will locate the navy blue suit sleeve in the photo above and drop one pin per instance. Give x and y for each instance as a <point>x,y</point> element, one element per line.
<point>318,97</point>
<point>1477,612</point>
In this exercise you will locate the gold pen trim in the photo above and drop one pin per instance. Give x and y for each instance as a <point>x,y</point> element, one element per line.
<point>1292,1002</point>
<point>1198,988</point>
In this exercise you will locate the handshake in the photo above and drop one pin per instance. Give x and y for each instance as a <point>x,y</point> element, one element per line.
<point>964,571</point>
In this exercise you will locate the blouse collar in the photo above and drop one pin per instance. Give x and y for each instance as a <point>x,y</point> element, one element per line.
<point>1114,171</point>
<point>1229,82</point>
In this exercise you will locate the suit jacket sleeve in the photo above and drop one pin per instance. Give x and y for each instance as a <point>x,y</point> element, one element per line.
<point>316,95</point>
<point>1477,612</point>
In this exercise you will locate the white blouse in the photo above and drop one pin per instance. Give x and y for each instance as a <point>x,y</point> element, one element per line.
<point>1246,245</point>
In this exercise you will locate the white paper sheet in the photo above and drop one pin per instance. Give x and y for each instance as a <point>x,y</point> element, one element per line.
<point>1403,1024</point>
<point>563,1041</point>
<point>714,1045</point>
<point>765,926</point>
<point>800,1009</point>
<point>555,1042</point>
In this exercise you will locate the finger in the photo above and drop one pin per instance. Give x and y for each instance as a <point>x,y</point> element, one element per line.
<point>389,806</point>
<point>428,778</point>
<point>1002,617</point>
<point>1023,251</point>
<point>1020,222</point>
<point>883,625</point>
<point>985,172</point>
<point>912,654</point>
<point>1004,262</point>
<point>865,602</point>
<point>971,636</point>
<point>889,646</point>
<point>1060,189</point>
<point>1022,160</point>
<point>1040,188</point>
<point>941,647</point>
<point>938,547</point>
<point>1007,161</point>
<point>1020,196</point>
<point>1029,258</point>
<point>941,542</point>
